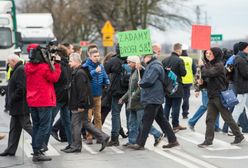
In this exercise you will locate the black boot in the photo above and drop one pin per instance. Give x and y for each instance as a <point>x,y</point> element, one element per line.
<point>114,142</point>
<point>122,133</point>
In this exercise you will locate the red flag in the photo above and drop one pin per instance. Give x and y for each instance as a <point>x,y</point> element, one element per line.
<point>201,37</point>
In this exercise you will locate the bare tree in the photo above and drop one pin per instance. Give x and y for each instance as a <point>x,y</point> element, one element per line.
<point>76,20</point>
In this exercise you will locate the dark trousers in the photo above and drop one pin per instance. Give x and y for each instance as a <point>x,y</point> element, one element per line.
<point>175,104</point>
<point>214,108</point>
<point>80,119</point>
<point>151,112</point>
<point>41,118</point>
<point>186,95</point>
<point>17,123</point>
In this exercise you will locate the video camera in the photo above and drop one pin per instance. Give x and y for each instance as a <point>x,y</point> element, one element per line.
<point>44,55</point>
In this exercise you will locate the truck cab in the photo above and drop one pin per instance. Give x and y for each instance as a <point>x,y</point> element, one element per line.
<point>35,28</point>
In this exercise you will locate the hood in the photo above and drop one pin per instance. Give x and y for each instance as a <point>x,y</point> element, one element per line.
<point>218,54</point>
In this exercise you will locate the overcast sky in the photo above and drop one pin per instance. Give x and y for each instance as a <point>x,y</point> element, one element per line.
<point>227,17</point>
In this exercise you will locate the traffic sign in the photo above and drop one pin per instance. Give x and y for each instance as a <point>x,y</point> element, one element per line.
<point>108,28</point>
<point>108,34</point>
<point>108,40</point>
<point>84,43</point>
<point>216,37</point>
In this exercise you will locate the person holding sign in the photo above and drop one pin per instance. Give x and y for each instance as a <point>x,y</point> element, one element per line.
<point>132,97</point>
<point>152,97</point>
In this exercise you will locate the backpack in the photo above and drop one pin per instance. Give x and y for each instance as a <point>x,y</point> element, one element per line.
<point>170,83</point>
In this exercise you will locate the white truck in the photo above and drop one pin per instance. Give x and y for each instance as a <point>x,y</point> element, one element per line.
<point>35,28</point>
<point>9,37</point>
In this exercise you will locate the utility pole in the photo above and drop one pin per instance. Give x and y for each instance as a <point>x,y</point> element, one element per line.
<point>198,14</point>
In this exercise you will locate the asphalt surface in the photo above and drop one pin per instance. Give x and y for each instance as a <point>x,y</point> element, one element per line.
<point>220,155</point>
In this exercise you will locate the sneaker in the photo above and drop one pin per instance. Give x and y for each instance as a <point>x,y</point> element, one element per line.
<point>171,145</point>
<point>39,158</point>
<point>158,140</point>
<point>238,140</point>
<point>204,144</point>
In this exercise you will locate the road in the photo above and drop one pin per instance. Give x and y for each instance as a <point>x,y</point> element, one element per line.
<point>187,155</point>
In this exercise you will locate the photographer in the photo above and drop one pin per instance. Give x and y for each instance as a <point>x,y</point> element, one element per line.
<point>41,73</point>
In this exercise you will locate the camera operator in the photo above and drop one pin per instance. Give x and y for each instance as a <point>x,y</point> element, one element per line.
<point>41,73</point>
<point>61,89</point>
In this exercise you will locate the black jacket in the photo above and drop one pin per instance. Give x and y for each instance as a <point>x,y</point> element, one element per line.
<point>61,87</point>
<point>114,67</point>
<point>17,91</point>
<point>241,73</point>
<point>214,77</point>
<point>177,66</point>
<point>80,90</point>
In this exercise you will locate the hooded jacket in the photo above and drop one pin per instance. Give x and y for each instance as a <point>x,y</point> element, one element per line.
<point>241,73</point>
<point>152,91</point>
<point>213,74</point>
<point>40,84</point>
<point>98,79</point>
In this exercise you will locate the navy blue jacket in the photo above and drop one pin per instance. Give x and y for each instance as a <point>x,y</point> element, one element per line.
<point>98,79</point>
<point>152,91</point>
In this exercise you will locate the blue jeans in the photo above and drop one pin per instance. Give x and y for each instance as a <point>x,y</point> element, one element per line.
<point>242,119</point>
<point>65,116</point>
<point>41,117</point>
<point>175,104</point>
<point>201,110</point>
<point>134,121</point>
<point>116,120</point>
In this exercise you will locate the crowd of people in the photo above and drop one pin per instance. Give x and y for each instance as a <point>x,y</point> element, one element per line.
<point>86,91</point>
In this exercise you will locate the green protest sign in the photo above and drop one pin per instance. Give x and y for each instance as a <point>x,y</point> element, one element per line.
<point>135,42</point>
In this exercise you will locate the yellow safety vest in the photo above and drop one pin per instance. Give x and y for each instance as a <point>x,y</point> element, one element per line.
<point>188,78</point>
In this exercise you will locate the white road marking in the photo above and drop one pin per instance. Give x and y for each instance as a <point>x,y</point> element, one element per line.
<point>197,138</point>
<point>87,148</point>
<point>226,157</point>
<point>28,148</point>
<point>187,161</point>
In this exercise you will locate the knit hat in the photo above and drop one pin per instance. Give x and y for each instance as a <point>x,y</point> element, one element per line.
<point>134,59</point>
<point>235,48</point>
<point>242,45</point>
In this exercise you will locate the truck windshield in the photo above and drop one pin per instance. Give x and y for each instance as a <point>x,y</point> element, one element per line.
<point>5,38</point>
